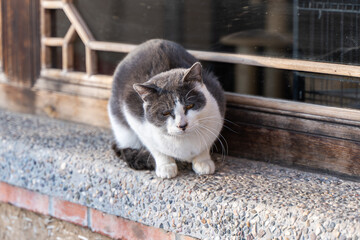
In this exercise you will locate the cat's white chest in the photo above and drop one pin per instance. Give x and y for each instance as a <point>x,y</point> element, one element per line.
<point>182,148</point>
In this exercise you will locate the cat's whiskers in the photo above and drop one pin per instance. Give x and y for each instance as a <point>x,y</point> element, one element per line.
<point>208,137</point>
<point>226,144</point>
<point>202,122</point>
<point>227,127</point>
<point>202,138</point>
<point>221,143</point>
<point>186,96</point>
<point>227,120</point>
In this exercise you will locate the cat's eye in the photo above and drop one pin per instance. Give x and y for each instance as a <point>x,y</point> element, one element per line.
<point>190,106</point>
<point>167,113</point>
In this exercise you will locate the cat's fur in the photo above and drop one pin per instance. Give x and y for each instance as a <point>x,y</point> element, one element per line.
<point>165,107</point>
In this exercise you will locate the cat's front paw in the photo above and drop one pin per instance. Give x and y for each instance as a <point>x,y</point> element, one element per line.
<point>206,166</point>
<point>169,170</point>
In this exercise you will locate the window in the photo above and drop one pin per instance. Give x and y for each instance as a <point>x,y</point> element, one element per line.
<point>312,45</point>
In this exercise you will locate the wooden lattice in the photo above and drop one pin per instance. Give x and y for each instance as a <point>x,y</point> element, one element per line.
<point>79,27</point>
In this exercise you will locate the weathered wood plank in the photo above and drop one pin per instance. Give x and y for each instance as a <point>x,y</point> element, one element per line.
<point>67,57</point>
<point>277,140</point>
<point>58,105</point>
<point>111,46</point>
<point>51,4</point>
<point>73,89</point>
<point>251,60</point>
<point>45,30</point>
<point>294,123</point>
<point>91,61</point>
<point>304,110</point>
<point>22,41</point>
<point>80,78</point>
<point>52,41</point>
<point>68,50</point>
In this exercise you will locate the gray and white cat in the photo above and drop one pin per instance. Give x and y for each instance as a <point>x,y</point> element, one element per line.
<point>165,107</point>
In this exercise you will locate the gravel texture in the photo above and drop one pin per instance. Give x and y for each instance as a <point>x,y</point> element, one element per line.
<point>242,200</point>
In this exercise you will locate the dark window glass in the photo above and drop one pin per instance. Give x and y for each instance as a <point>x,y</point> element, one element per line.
<point>326,31</point>
<point>59,23</point>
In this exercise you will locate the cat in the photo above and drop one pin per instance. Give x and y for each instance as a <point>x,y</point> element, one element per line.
<point>165,107</point>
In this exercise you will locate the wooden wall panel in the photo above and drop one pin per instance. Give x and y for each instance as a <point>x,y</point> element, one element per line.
<point>21,40</point>
<point>56,105</point>
<point>293,141</point>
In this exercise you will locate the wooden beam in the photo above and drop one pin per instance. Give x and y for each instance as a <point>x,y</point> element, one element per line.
<point>70,35</point>
<point>91,61</point>
<point>67,57</point>
<point>79,24</point>
<point>64,87</point>
<point>78,78</point>
<point>51,4</point>
<point>45,30</point>
<point>305,110</point>
<point>58,105</point>
<point>68,49</point>
<point>111,46</point>
<point>280,63</point>
<point>293,148</point>
<point>21,42</point>
<point>293,122</point>
<point>252,60</point>
<point>52,41</point>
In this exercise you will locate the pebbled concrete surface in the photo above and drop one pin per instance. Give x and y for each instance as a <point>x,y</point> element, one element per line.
<point>242,200</point>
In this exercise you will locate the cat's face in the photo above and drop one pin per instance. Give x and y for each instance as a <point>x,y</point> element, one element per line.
<point>173,100</point>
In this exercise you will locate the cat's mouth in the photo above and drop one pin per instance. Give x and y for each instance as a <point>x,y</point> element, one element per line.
<point>178,133</point>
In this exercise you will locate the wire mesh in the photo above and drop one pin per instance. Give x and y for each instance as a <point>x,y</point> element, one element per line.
<point>328,31</point>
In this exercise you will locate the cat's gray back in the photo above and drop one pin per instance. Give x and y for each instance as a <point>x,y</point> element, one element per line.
<point>147,60</point>
<point>164,107</point>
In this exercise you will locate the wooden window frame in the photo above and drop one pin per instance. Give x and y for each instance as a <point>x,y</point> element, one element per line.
<point>90,78</point>
<point>278,131</point>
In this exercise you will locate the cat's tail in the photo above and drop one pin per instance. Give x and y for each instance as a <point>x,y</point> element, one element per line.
<point>138,159</point>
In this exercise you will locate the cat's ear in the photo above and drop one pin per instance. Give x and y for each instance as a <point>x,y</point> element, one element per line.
<point>194,73</point>
<point>144,90</point>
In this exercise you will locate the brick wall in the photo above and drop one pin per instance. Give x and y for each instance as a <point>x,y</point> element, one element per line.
<point>106,224</point>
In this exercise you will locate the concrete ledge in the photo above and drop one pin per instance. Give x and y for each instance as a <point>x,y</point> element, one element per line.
<point>97,221</point>
<point>244,199</point>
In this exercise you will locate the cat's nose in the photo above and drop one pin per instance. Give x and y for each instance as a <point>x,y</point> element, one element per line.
<point>183,126</point>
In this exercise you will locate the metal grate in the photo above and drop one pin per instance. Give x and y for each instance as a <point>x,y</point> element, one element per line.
<point>329,6</point>
<point>331,90</point>
<point>328,31</point>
